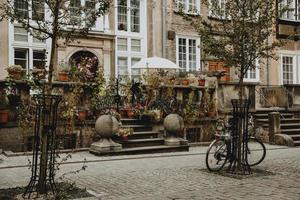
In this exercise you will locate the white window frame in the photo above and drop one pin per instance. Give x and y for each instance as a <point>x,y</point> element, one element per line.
<point>210,13</point>
<point>257,74</point>
<point>296,62</point>
<point>186,8</point>
<point>296,13</point>
<point>141,35</point>
<point>128,17</point>
<point>198,52</point>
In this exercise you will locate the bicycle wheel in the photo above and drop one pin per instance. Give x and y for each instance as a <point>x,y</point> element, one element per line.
<point>216,155</point>
<point>256,151</point>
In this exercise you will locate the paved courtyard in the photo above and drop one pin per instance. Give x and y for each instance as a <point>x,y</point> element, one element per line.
<point>170,176</point>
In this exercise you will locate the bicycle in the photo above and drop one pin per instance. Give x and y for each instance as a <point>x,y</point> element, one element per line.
<point>218,152</point>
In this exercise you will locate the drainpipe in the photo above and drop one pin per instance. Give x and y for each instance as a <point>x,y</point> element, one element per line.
<point>268,64</point>
<point>163,28</point>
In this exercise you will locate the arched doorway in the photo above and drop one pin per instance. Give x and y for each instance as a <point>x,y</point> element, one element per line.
<point>85,62</point>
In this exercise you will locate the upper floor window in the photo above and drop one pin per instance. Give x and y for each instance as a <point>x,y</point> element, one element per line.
<point>289,9</point>
<point>21,7</point>
<point>129,15</point>
<point>188,6</point>
<point>288,65</point>
<point>217,8</point>
<point>38,10</point>
<point>188,53</point>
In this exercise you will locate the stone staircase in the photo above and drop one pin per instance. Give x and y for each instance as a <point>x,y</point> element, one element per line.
<point>289,124</point>
<point>144,140</point>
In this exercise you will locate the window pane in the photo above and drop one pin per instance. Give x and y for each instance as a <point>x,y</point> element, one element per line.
<point>135,15</point>
<point>182,53</point>
<point>38,10</point>
<point>136,45</point>
<point>39,59</point>
<point>20,34</point>
<point>192,6</point>
<point>21,57</point>
<point>75,11</point>
<point>122,66</point>
<point>287,69</point>
<point>135,73</point>
<point>122,15</point>
<point>122,44</point>
<point>192,55</point>
<point>90,8</point>
<point>21,8</point>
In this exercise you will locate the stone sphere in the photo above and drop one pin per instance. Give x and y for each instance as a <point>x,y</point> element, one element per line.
<point>173,123</point>
<point>106,126</point>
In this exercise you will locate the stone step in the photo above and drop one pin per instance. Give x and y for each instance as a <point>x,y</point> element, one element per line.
<point>290,131</point>
<point>131,143</point>
<point>146,150</point>
<point>297,143</point>
<point>282,121</point>
<point>290,126</point>
<point>143,135</point>
<point>295,137</point>
<point>266,115</point>
<point>138,127</point>
<point>131,121</point>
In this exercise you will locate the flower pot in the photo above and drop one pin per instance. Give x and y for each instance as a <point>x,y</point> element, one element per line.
<point>81,115</point>
<point>4,116</point>
<point>63,76</point>
<point>201,82</point>
<point>124,137</point>
<point>211,114</point>
<point>185,82</point>
<point>130,113</point>
<point>16,75</point>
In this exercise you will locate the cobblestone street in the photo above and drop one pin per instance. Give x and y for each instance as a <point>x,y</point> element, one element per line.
<point>172,176</point>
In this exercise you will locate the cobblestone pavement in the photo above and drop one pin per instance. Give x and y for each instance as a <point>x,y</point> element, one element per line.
<point>177,177</point>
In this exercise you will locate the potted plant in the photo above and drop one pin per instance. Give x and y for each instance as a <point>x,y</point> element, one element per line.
<point>4,112</point>
<point>201,80</point>
<point>124,133</point>
<point>38,74</point>
<point>81,114</point>
<point>63,73</point>
<point>183,78</point>
<point>15,72</point>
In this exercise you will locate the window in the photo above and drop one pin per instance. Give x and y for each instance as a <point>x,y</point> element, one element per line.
<point>122,44</point>
<point>135,45</point>
<point>135,73</point>
<point>252,75</point>
<point>188,53</point>
<point>289,9</point>
<point>123,66</point>
<point>21,7</point>
<point>38,10</point>
<point>90,6</point>
<point>21,57</point>
<point>129,15</point>
<point>20,34</point>
<point>39,59</point>
<point>217,8</point>
<point>287,69</point>
<point>188,6</point>
<point>75,11</point>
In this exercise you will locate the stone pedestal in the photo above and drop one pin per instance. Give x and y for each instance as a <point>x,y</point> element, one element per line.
<point>106,126</point>
<point>105,145</point>
<point>173,124</point>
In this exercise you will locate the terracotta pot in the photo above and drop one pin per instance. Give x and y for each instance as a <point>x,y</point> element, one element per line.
<point>4,116</point>
<point>211,114</point>
<point>185,82</point>
<point>81,115</point>
<point>16,75</point>
<point>63,76</point>
<point>124,137</point>
<point>130,113</point>
<point>201,82</point>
